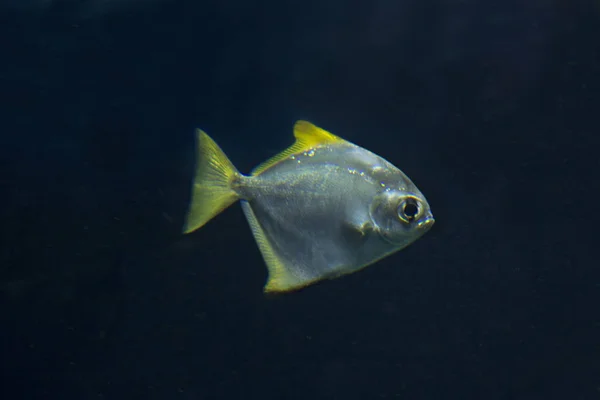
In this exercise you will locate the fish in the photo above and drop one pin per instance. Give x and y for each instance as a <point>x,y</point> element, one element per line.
<point>322,208</point>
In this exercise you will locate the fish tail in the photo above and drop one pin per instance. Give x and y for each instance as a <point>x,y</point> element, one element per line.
<point>212,191</point>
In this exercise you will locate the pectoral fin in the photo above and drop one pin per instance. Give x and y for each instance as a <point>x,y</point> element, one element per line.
<point>356,235</point>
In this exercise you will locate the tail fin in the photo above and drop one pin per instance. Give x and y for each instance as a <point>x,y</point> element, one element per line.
<point>211,191</point>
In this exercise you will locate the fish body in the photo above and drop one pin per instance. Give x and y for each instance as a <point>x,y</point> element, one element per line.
<point>322,208</point>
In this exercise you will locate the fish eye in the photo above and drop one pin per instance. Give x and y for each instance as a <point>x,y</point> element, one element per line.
<point>408,210</point>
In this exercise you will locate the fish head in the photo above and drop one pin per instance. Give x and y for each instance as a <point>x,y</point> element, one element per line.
<point>401,216</point>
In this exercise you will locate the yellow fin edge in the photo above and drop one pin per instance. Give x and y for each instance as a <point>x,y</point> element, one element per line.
<point>307,137</point>
<point>211,190</point>
<point>279,279</point>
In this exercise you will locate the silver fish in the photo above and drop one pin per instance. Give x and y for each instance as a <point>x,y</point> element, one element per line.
<point>320,209</point>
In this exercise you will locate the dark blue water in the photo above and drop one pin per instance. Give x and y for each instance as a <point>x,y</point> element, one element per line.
<point>490,107</point>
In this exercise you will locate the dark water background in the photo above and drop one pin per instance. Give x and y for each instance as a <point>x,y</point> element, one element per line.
<point>491,107</point>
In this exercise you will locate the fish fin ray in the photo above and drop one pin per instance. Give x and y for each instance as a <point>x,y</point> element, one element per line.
<point>280,279</point>
<point>212,190</point>
<point>307,136</point>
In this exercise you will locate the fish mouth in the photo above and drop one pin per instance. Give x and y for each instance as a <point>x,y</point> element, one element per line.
<point>426,222</point>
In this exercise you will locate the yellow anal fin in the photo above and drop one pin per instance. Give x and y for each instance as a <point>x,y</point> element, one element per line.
<point>307,137</point>
<point>280,278</point>
<point>211,191</point>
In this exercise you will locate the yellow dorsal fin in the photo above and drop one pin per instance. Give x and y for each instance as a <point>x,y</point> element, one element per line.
<point>307,136</point>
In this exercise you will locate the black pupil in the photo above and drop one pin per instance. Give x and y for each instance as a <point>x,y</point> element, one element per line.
<point>410,209</point>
